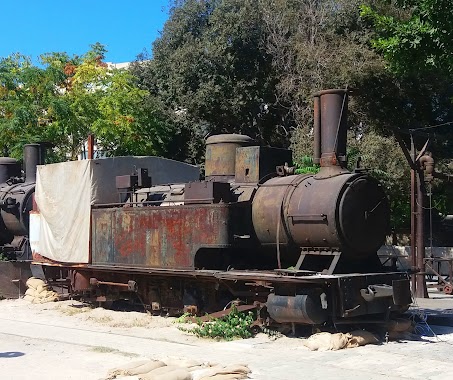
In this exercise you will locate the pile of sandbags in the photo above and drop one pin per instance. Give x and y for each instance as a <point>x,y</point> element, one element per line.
<point>179,369</point>
<point>326,341</point>
<point>39,292</point>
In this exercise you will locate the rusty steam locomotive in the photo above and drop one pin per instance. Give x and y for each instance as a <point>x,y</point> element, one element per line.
<point>17,187</point>
<point>298,248</point>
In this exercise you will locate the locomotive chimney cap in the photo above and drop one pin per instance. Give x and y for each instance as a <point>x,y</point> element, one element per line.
<point>8,161</point>
<point>229,138</point>
<point>333,91</point>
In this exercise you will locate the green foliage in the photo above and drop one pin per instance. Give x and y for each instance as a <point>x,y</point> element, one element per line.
<point>232,326</point>
<point>3,257</point>
<point>67,98</point>
<point>383,156</point>
<point>184,318</point>
<point>211,70</point>
<point>418,38</point>
<point>305,165</point>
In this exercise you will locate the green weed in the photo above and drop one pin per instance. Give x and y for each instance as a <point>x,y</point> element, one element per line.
<point>232,326</point>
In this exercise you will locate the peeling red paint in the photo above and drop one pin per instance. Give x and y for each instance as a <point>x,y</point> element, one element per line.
<point>157,236</point>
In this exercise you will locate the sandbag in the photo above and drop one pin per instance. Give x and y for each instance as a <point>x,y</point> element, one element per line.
<point>209,373</point>
<point>179,369</point>
<point>181,362</point>
<point>326,341</point>
<point>50,298</point>
<point>48,294</point>
<point>39,292</point>
<point>29,298</point>
<point>145,368</point>
<point>121,371</point>
<point>30,292</point>
<point>361,338</point>
<point>33,282</point>
<point>230,376</point>
<point>42,288</point>
<point>167,373</point>
<point>153,374</point>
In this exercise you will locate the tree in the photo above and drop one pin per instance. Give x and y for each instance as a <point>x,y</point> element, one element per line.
<point>418,37</point>
<point>223,66</point>
<point>70,97</point>
<point>210,67</point>
<point>386,161</point>
<point>315,45</point>
<point>27,96</point>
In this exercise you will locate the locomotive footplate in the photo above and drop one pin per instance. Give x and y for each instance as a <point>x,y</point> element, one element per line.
<point>288,297</point>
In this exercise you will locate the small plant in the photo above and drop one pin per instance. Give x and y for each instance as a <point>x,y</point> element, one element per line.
<point>185,318</point>
<point>271,333</point>
<point>3,257</point>
<point>234,325</point>
<point>306,166</point>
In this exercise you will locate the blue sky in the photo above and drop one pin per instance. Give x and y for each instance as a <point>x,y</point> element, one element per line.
<point>33,27</point>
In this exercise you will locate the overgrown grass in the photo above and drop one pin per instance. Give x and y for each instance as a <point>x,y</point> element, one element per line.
<point>235,325</point>
<point>108,350</point>
<point>72,310</point>
<point>103,350</point>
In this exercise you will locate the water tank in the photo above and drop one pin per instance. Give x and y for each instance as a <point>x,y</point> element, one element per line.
<point>220,161</point>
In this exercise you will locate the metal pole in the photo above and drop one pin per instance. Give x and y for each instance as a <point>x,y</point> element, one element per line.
<point>413,219</point>
<point>90,146</point>
<point>421,291</point>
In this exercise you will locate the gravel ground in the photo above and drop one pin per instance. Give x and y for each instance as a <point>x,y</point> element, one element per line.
<point>66,340</point>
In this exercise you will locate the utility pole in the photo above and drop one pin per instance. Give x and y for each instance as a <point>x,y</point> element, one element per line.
<point>413,214</point>
<point>420,290</point>
<point>418,280</point>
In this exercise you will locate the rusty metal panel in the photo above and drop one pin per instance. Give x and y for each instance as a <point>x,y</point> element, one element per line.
<point>351,302</point>
<point>13,275</point>
<point>159,237</point>
<point>255,162</point>
<point>207,192</point>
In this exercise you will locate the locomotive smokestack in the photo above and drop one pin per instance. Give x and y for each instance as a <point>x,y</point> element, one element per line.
<point>331,113</point>
<point>33,156</point>
<point>317,131</point>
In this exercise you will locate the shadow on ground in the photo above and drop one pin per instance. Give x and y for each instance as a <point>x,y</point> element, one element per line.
<point>11,354</point>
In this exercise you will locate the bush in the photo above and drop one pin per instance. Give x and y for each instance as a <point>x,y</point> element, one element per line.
<point>234,325</point>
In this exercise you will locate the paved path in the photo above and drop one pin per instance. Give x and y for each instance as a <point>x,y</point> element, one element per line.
<point>36,343</point>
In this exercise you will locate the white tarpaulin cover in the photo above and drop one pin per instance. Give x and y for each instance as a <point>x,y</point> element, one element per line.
<point>65,192</point>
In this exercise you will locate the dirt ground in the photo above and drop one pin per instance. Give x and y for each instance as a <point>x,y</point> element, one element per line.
<point>67,340</point>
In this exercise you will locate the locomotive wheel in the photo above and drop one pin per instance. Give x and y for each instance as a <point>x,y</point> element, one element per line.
<point>448,289</point>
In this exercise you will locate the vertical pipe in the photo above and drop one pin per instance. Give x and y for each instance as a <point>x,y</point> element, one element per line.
<point>413,219</point>
<point>90,144</point>
<point>42,153</point>
<point>421,291</point>
<point>334,111</point>
<point>317,131</point>
<point>32,155</point>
